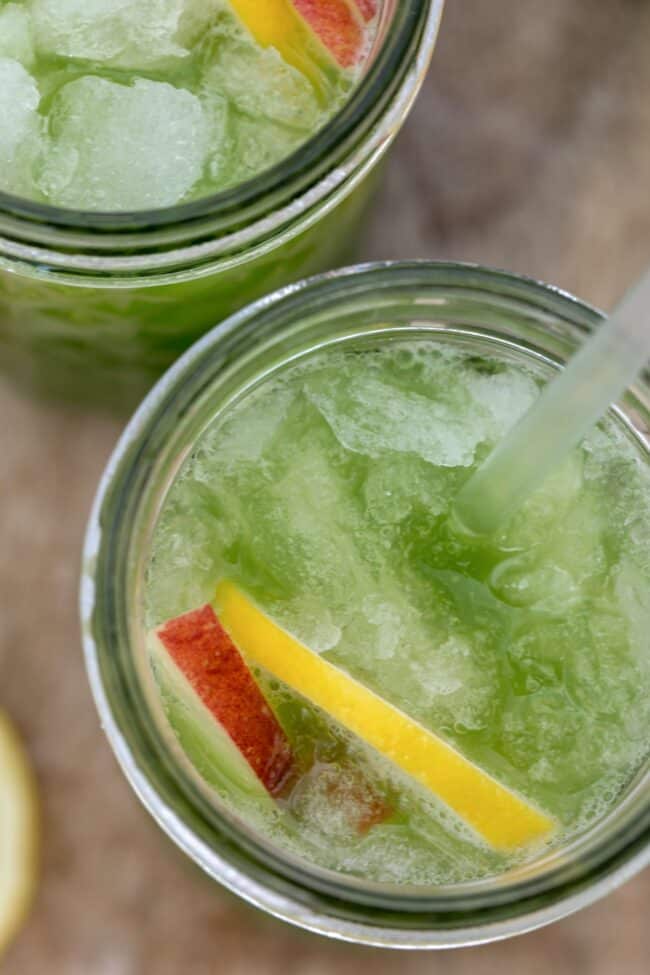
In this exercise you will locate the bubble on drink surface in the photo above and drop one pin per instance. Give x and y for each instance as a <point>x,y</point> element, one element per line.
<point>16,40</point>
<point>123,147</point>
<point>118,33</point>
<point>597,802</point>
<point>19,126</point>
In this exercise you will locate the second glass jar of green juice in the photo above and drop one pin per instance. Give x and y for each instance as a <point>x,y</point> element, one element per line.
<point>294,474</point>
<point>95,305</point>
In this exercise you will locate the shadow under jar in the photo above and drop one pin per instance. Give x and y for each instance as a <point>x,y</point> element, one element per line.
<point>526,653</point>
<point>95,306</point>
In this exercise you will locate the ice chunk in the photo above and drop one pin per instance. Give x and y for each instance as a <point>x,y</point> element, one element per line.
<point>371,416</point>
<point>391,490</point>
<point>505,396</point>
<point>538,726</point>
<point>116,32</point>
<point>548,511</point>
<point>19,126</point>
<point>258,82</point>
<point>539,732</point>
<point>577,545</point>
<point>245,436</point>
<point>425,852</point>
<point>456,686</point>
<point>257,144</point>
<point>633,596</point>
<point>605,677</point>
<point>118,147</point>
<point>448,669</point>
<point>388,622</point>
<point>310,621</point>
<point>336,802</point>
<point>16,34</point>
<point>217,111</point>
<point>206,20</point>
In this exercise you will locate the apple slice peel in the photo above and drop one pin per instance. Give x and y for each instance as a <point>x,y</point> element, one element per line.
<point>214,669</point>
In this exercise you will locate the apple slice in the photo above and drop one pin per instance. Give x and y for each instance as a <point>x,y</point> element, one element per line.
<point>18,833</point>
<point>218,694</point>
<point>337,27</point>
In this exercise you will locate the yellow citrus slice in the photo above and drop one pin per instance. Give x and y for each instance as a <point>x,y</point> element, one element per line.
<point>18,833</point>
<point>500,816</point>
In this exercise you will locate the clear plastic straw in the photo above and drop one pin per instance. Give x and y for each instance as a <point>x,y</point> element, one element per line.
<point>568,407</point>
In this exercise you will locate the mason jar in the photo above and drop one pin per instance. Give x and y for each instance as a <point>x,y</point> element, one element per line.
<point>462,304</point>
<point>93,307</point>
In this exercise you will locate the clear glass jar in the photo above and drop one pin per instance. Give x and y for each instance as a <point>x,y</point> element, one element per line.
<point>93,307</point>
<point>471,306</point>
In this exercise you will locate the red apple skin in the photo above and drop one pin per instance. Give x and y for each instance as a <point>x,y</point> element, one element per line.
<point>336,26</point>
<point>219,676</point>
<point>368,8</point>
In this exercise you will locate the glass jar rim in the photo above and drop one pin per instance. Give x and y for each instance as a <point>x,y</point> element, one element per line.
<point>291,177</point>
<point>569,887</point>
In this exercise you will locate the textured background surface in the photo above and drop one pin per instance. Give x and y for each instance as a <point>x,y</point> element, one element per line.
<point>529,149</point>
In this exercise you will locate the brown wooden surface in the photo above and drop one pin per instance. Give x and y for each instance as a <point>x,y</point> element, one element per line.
<point>529,149</point>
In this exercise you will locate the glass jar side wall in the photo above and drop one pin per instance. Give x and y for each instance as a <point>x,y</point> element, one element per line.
<point>105,344</point>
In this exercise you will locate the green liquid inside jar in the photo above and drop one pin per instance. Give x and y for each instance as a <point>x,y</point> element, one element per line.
<point>324,492</point>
